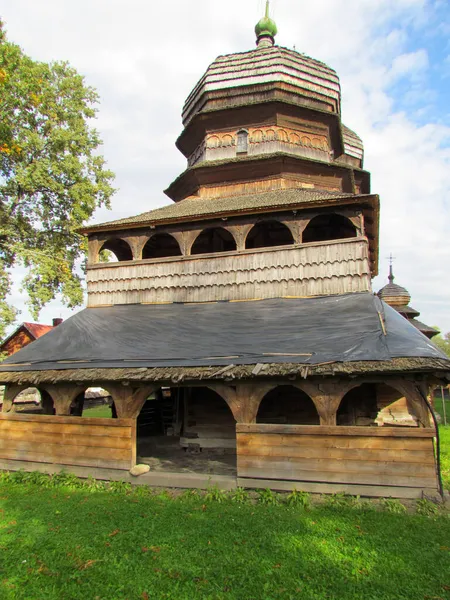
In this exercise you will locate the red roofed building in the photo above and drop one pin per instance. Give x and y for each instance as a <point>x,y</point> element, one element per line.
<point>24,335</point>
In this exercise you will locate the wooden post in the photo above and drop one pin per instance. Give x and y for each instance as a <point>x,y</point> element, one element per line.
<point>326,396</point>
<point>11,391</point>
<point>129,401</point>
<point>63,395</point>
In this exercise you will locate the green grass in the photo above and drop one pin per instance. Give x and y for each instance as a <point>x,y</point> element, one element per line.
<point>444,432</point>
<point>98,411</point>
<point>93,544</point>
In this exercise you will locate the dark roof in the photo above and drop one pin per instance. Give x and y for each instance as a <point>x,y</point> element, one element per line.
<point>305,331</point>
<point>404,309</point>
<point>426,329</point>
<point>192,208</point>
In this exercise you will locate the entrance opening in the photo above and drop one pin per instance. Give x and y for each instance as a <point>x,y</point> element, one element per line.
<point>216,239</point>
<point>187,430</point>
<point>267,234</point>
<point>328,227</point>
<point>288,405</point>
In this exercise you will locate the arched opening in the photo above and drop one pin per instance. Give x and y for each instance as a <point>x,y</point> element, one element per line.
<point>269,233</point>
<point>161,245</point>
<point>95,402</point>
<point>33,401</point>
<point>372,404</point>
<point>187,430</point>
<point>242,142</point>
<point>115,250</point>
<point>328,227</point>
<point>286,404</point>
<point>215,239</point>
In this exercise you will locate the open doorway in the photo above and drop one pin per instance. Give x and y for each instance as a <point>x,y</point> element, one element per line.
<point>187,430</point>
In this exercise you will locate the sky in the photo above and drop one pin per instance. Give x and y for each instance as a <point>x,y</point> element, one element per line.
<point>393,59</point>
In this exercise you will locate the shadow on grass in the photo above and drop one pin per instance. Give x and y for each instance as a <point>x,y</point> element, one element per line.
<point>61,543</point>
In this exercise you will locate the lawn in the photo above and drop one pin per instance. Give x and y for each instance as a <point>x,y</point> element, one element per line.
<point>103,411</point>
<point>59,541</point>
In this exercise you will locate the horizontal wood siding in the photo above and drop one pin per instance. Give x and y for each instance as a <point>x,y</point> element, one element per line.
<point>71,441</point>
<point>303,270</point>
<point>367,456</point>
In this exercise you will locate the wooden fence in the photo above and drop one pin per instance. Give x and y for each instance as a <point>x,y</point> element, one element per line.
<point>384,461</point>
<point>71,441</point>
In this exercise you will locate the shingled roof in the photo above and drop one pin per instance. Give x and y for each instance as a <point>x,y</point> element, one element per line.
<point>311,78</point>
<point>193,207</point>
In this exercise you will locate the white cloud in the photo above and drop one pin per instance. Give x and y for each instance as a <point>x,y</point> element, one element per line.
<point>145,57</point>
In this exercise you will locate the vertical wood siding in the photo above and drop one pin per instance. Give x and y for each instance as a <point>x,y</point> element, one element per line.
<point>307,270</point>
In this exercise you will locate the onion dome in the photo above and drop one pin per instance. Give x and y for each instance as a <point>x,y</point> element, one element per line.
<point>266,30</point>
<point>393,294</point>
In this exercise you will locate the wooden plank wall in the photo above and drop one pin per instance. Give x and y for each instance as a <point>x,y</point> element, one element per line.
<point>315,269</point>
<point>78,441</point>
<point>350,456</point>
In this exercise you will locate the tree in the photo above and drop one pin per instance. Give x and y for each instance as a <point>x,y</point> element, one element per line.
<point>51,177</point>
<point>443,342</point>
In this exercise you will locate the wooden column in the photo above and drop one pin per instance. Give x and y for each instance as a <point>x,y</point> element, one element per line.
<point>414,398</point>
<point>11,391</point>
<point>326,396</point>
<point>128,400</point>
<point>243,398</point>
<point>63,395</point>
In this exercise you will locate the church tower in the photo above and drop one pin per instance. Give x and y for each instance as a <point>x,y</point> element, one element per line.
<point>274,201</point>
<point>243,311</point>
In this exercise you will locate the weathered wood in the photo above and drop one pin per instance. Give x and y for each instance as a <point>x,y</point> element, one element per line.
<point>21,447</point>
<point>53,419</point>
<point>128,400</point>
<point>283,471</point>
<point>332,267</point>
<point>407,432</point>
<point>375,491</point>
<point>346,455</point>
<point>347,465</point>
<point>68,440</point>
<point>334,441</point>
<point>11,391</point>
<point>357,454</point>
<point>63,429</point>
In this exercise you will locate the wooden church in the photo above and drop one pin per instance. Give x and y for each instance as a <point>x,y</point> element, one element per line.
<point>238,325</point>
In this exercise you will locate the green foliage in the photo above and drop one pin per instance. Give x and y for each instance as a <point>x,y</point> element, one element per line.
<point>442,341</point>
<point>51,176</point>
<point>341,500</point>
<point>427,508</point>
<point>393,505</point>
<point>444,434</point>
<point>120,487</point>
<point>215,494</point>
<point>299,498</point>
<point>268,497</point>
<point>239,494</point>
